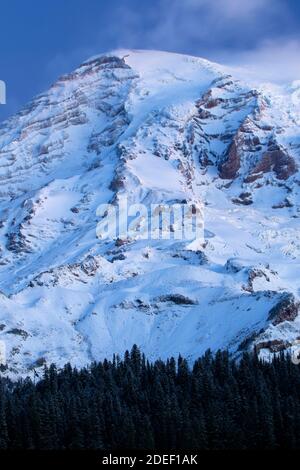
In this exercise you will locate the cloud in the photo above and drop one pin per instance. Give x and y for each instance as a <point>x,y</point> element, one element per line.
<point>261,35</point>
<point>212,29</point>
<point>273,60</point>
<point>200,26</point>
<point>231,8</point>
<point>253,34</point>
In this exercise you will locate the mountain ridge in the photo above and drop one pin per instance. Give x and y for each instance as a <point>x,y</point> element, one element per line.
<point>155,128</point>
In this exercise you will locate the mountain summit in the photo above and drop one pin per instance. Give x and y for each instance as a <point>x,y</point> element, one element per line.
<point>156,128</point>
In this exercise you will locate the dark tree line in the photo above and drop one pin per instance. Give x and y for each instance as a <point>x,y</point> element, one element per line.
<point>131,403</point>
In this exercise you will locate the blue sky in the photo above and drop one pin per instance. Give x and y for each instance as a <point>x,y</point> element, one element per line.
<point>40,40</point>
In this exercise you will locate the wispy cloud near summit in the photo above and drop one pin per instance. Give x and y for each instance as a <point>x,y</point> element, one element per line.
<point>43,40</point>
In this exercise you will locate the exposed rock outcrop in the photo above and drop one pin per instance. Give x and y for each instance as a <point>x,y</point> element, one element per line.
<point>287,309</point>
<point>228,169</point>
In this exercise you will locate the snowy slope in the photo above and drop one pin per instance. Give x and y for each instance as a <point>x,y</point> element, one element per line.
<point>153,127</point>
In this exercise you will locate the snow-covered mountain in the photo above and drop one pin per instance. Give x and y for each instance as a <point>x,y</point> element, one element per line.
<point>157,128</point>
